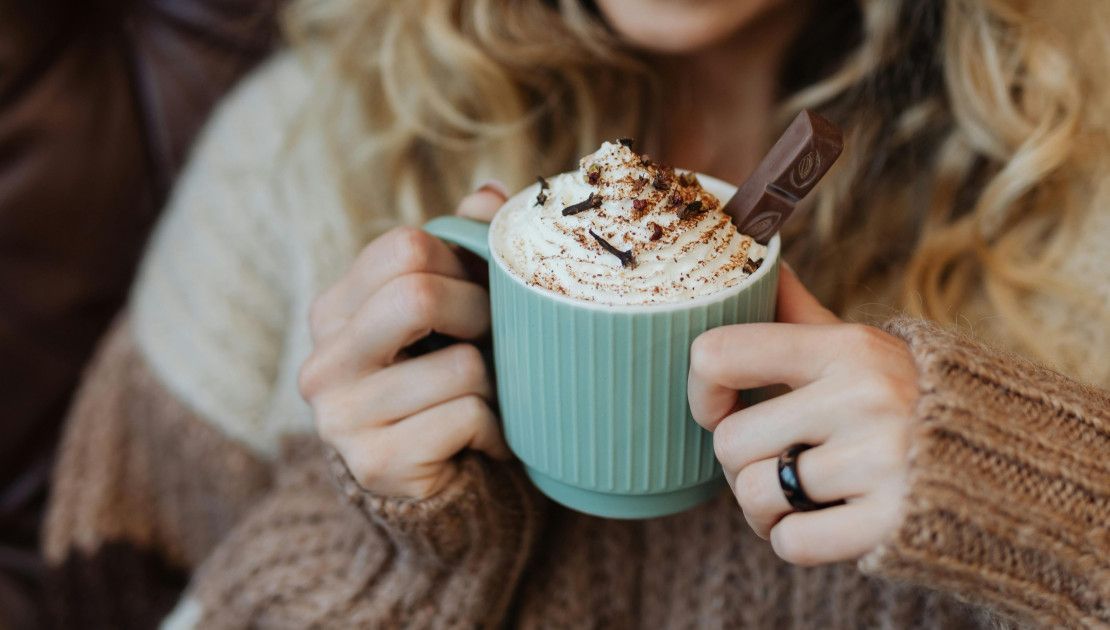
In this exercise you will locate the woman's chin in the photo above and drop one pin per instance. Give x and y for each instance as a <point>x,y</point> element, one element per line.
<point>679,26</point>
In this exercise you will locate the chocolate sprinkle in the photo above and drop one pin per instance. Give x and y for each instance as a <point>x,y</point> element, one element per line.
<point>692,208</point>
<point>625,257</point>
<point>627,142</point>
<point>663,177</point>
<point>656,231</point>
<point>541,197</point>
<point>687,179</point>
<point>750,266</point>
<point>593,201</point>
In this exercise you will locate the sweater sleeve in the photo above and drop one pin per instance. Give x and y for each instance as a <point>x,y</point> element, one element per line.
<point>487,506</point>
<point>147,490</point>
<point>1009,492</point>
<point>302,558</point>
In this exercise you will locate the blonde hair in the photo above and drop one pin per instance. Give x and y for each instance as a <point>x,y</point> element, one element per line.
<point>976,133</point>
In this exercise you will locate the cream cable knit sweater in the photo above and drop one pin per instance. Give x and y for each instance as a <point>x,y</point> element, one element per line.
<point>189,448</point>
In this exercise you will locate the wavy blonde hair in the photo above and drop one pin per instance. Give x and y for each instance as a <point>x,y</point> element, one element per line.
<point>976,131</point>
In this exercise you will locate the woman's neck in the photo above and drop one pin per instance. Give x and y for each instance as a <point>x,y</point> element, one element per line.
<point>718,103</point>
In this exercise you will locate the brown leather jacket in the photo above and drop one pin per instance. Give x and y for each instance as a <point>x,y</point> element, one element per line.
<point>99,102</point>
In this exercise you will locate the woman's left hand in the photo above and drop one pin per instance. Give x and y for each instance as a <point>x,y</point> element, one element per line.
<point>854,389</point>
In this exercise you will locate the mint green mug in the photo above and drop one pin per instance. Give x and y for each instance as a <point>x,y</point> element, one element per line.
<point>593,397</point>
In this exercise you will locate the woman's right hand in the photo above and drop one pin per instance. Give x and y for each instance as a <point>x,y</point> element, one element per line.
<point>397,421</point>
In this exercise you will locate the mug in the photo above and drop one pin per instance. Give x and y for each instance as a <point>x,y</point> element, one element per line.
<point>593,397</point>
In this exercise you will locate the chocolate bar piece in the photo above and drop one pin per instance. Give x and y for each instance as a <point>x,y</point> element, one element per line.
<point>799,159</point>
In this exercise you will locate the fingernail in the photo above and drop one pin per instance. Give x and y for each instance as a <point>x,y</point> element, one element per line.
<point>494,186</point>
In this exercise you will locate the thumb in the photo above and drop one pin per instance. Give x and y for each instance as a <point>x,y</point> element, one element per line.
<point>796,305</point>
<point>483,203</point>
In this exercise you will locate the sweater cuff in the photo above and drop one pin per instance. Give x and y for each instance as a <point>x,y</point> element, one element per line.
<point>1009,485</point>
<point>486,504</point>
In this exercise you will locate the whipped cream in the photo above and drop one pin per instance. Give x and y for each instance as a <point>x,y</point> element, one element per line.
<point>623,230</point>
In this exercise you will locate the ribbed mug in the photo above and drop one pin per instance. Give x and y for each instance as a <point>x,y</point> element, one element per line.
<point>593,397</point>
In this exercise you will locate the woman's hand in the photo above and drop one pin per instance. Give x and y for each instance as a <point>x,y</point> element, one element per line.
<point>398,422</point>
<point>854,389</point>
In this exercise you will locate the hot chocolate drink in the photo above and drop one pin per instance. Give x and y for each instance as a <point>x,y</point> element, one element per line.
<point>624,229</point>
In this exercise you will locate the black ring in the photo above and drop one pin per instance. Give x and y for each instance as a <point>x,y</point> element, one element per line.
<point>791,484</point>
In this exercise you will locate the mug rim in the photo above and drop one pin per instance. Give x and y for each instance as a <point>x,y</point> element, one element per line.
<point>709,183</point>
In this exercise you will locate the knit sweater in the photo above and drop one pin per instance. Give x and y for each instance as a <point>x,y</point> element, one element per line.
<point>190,478</point>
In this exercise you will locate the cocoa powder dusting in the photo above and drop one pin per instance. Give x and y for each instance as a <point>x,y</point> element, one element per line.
<point>694,229</point>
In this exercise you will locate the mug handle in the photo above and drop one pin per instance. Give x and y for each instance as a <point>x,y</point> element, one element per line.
<point>466,233</point>
<point>473,236</point>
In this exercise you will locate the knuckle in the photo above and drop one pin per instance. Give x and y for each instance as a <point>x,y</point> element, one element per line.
<point>750,493</point>
<point>730,438</point>
<point>726,438</point>
<point>860,335</point>
<point>904,393</point>
<point>705,354</point>
<point>469,364</point>
<point>469,204</point>
<point>879,351</point>
<point>897,392</point>
<point>413,248</point>
<point>870,392</point>
<point>863,341</point>
<point>884,393</point>
<point>721,443</point>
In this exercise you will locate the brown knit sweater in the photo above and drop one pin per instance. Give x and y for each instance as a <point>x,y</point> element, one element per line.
<point>1008,511</point>
<point>189,458</point>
